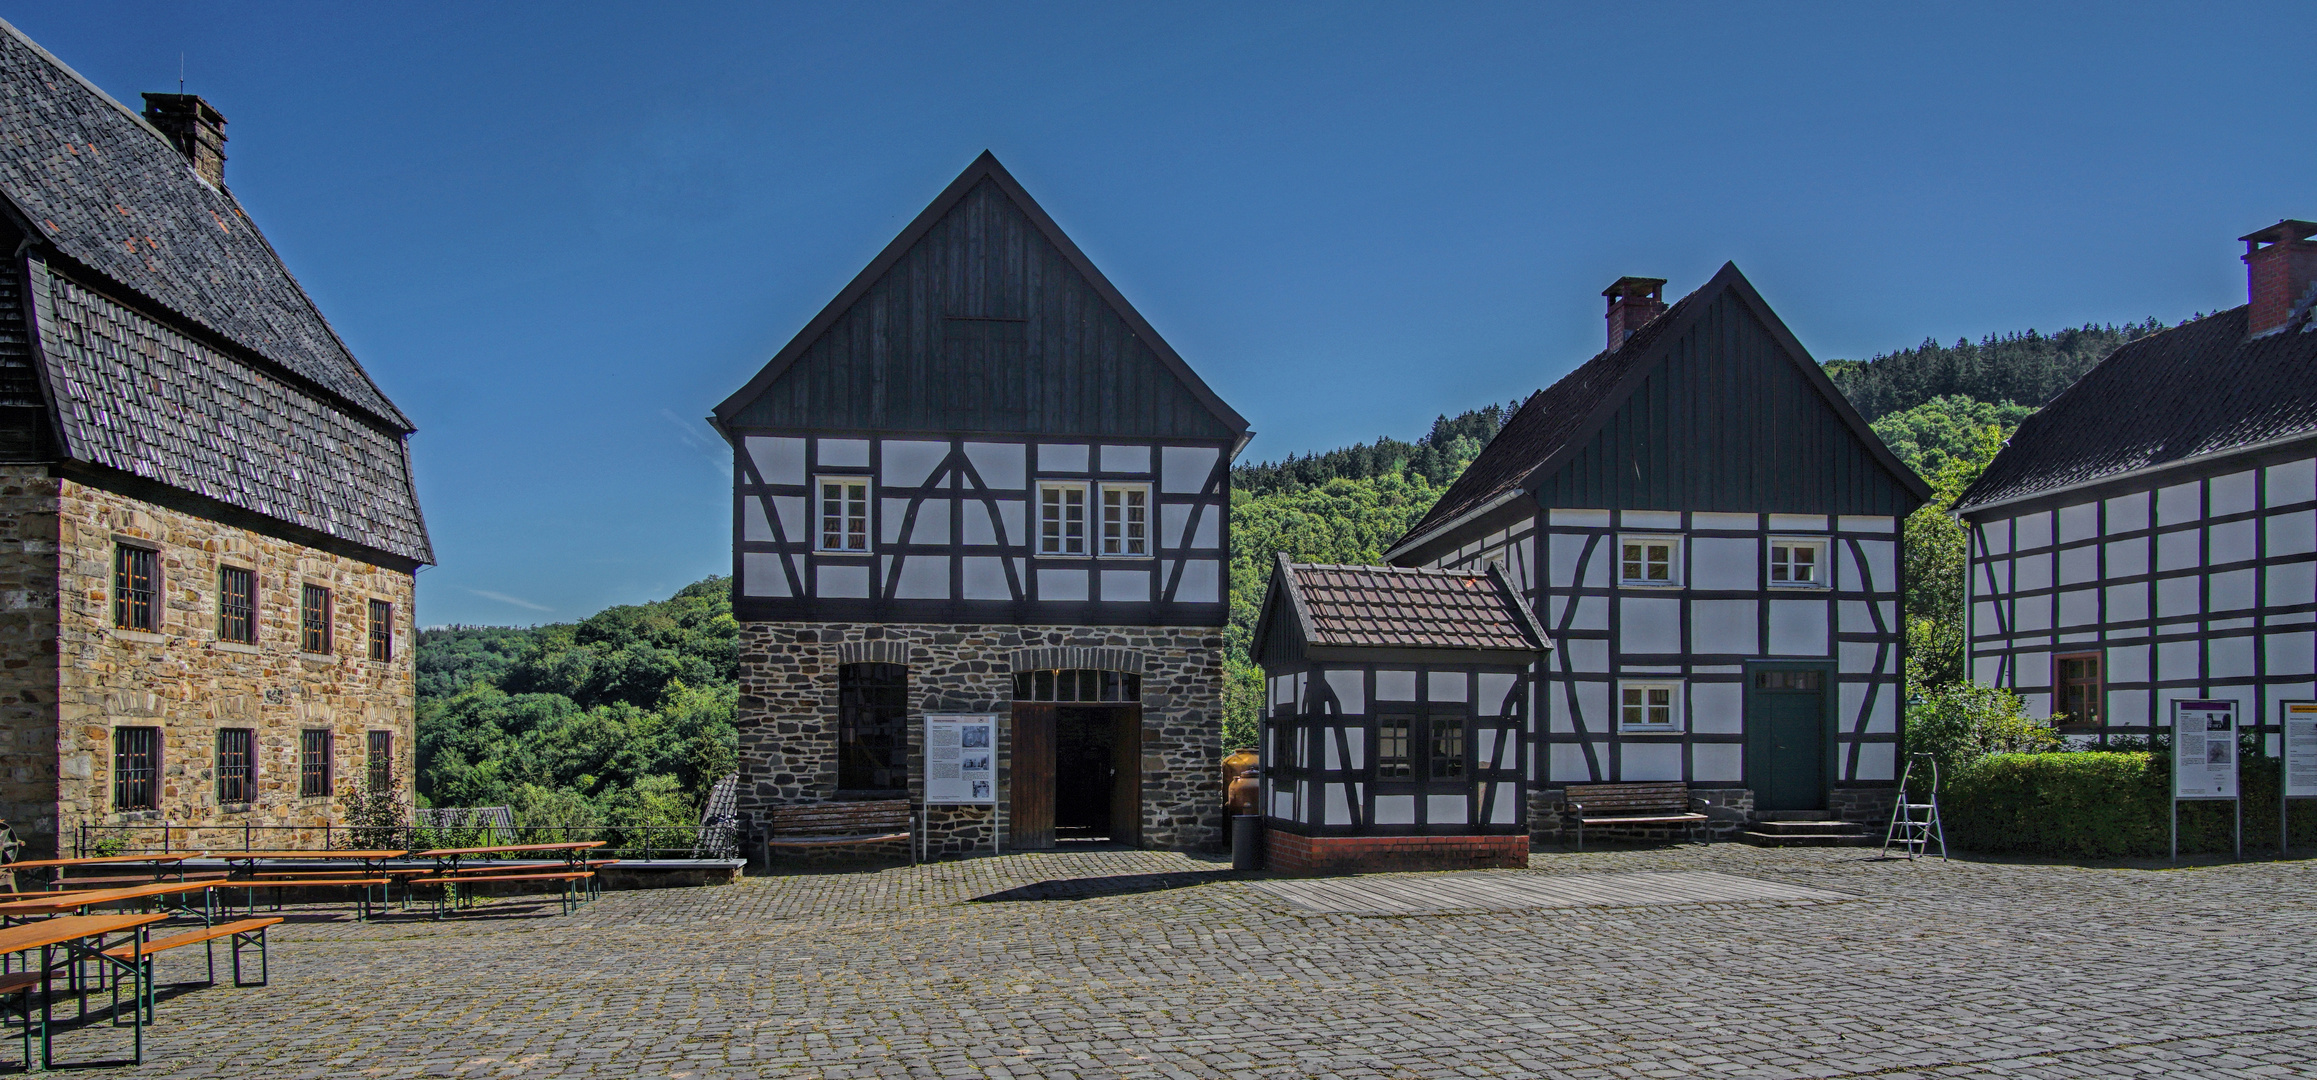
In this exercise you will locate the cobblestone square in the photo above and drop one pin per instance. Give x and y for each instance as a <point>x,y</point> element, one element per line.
<point>1149,964</point>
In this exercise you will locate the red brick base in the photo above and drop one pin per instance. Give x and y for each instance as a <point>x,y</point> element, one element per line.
<point>1288,853</point>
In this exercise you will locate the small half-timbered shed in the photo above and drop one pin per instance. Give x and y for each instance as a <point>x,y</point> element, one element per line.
<point>2151,534</point>
<point>1710,533</point>
<point>979,482</point>
<point>1396,730</point>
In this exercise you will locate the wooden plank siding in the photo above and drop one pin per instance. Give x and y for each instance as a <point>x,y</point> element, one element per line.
<point>1727,422</point>
<point>983,326</point>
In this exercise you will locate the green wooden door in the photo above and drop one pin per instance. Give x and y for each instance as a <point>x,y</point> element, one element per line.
<point>1785,741</point>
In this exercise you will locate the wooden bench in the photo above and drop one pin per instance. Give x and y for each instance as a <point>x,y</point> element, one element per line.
<point>111,880</point>
<point>571,879</point>
<point>243,932</point>
<point>348,878</point>
<point>838,824</point>
<point>1666,803</point>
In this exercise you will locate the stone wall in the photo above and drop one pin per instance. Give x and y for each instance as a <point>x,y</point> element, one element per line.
<point>788,713</point>
<point>183,679</point>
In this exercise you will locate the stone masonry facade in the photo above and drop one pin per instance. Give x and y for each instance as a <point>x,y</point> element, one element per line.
<point>68,676</point>
<point>788,713</point>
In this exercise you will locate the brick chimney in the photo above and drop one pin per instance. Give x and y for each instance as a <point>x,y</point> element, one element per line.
<point>196,129</point>
<point>1633,301</point>
<point>2280,264</point>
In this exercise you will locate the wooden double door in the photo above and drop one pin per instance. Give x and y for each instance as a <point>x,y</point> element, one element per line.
<point>1077,774</point>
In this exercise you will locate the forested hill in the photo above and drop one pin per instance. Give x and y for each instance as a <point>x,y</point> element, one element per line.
<point>2026,369</point>
<point>1437,457</point>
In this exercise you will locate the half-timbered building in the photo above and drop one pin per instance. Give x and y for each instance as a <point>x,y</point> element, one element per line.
<point>979,482</point>
<point>1395,734</point>
<point>208,527</point>
<point>2151,534</point>
<point>1710,535</point>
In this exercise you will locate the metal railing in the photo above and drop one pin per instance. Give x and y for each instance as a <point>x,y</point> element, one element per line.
<point>621,840</point>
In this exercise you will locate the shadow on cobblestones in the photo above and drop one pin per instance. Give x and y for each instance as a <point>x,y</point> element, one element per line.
<point>1087,888</point>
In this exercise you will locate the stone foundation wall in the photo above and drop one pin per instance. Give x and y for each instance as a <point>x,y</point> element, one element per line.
<point>787,714</point>
<point>1291,853</point>
<point>1866,806</point>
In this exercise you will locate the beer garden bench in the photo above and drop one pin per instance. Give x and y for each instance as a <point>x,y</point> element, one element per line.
<point>1655,803</point>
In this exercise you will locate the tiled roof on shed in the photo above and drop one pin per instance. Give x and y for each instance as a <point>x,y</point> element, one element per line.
<point>110,193</point>
<point>1399,608</point>
<point>2193,390</point>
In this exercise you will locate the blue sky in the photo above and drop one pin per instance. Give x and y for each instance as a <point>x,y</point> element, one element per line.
<point>558,234</point>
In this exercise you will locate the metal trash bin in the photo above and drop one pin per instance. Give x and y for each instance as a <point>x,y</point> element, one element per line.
<point>1247,842</point>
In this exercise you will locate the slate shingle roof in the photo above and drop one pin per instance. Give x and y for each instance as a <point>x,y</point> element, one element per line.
<point>1397,607</point>
<point>281,421</point>
<point>2186,392</point>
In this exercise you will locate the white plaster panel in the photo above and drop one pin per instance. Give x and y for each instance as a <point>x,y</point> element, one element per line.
<point>2229,657</point>
<point>1798,522</point>
<point>1725,626</point>
<point>1852,697</point>
<point>1995,537</point>
<point>890,514</point>
<point>1724,563</point>
<point>907,462</point>
<point>1866,523</point>
<point>790,509</point>
<point>1881,572</point>
<point>1445,809</point>
<point>1126,459</point>
<point>984,578</point>
<point>2290,653</point>
<point>2231,590</point>
<point>1983,619</point>
<point>2292,482</point>
<point>1283,805</point>
<point>1282,689</point>
<point>2031,613</point>
<point>1994,577</point>
<point>753,524</point>
<point>2231,541</point>
<point>2079,607</point>
<point>1797,628</point>
<point>1395,685</point>
<point>2128,706</point>
<point>1582,519</point>
<point>842,453</point>
<point>1174,520</point>
<point>1592,612</point>
<point>2079,564</point>
<point>1883,718</point>
<point>778,460</point>
<point>979,530</point>
<point>1445,686</point>
<point>2230,494</point>
<point>1498,693</point>
<point>2179,503</point>
<point>1589,655</point>
<point>2127,663</point>
<point>1562,550</point>
<point>1350,690</point>
<point>2291,583</point>
<point>2127,603</point>
<point>1357,742</point>
<point>1185,468</point>
<point>1986,669</point>
<point>999,465</point>
<point>923,577</point>
<point>1062,458</point>
<point>2177,597</point>
<point>1649,519</point>
<point>1709,520</point>
<point>1717,708</point>
<point>1337,810</point>
<point>932,522</point>
<point>1129,585</point>
<point>2031,572</point>
<point>762,573</point>
<point>2177,660</point>
<point>2128,557</point>
<point>1503,810</point>
<point>1856,656</point>
<point>1395,809</point>
<point>2292,533</point>
<point>1854,617</point>
<point>1200,583</point>
<point>1644,761</point>
<point>2031,531</point>
<point>1206,527</point>
<point>1648,625</point>
<point>2178,550</point>
<point>1717,763</point>
<point>1876,761</point>
<point>1010,523</point>
<point>2079,522</point>
<point>842,581</point>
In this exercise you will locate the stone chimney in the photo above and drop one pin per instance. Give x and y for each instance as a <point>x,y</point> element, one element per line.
<point>2280,264</point>
<point>1633,301</point>
<point>196,129</point>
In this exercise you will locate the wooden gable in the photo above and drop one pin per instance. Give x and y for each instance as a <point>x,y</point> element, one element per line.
<point>982,317</point>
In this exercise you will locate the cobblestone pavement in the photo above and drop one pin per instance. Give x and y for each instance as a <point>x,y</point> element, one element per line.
<point>1147,964</point>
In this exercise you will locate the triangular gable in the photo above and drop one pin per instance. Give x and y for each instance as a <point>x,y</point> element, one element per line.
<point>1123,375</point>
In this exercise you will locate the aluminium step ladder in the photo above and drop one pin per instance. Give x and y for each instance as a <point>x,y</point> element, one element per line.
<point>1915,825</point>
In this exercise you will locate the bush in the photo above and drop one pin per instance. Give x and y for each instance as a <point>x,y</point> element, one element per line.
<point>2091,804</point>
<point>1959,722</point>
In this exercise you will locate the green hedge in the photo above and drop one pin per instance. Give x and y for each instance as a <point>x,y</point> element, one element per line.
<point>2104,805</point>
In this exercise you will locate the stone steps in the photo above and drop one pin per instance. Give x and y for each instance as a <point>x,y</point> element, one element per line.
<point>1807,829</point>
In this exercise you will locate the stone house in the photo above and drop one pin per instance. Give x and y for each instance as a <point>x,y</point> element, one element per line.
<point>979,483</point>
<point>2151,534</point>
<point>208,528</point>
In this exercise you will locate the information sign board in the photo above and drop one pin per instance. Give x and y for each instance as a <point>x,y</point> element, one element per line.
<point>2301,749</point>
<point>961,759</point>
<point>2204,749</point>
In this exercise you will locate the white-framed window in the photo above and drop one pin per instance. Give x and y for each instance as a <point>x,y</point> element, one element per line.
<point>1649,560</point>
<point>844,513</point>
<point>1798,563</point>
<point>1649,706</point>
<point>1126,520</point>
<point>1061,517</point>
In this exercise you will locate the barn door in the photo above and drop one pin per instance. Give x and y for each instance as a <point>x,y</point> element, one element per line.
<point>1032,796</point>
<point>1126,778</point>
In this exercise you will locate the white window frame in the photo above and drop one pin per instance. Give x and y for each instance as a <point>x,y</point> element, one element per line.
<point>868,514</point>
<point>1102,522</point>
<point>1673,572</point>
<point>1086,530</point>
<point>1820,562</point>
<point>1674,719</point>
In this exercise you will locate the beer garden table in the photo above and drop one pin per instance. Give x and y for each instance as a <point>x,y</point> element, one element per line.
<point>446,860</point>
<point>58,903</point>
<point>56,880</point>
<point>81,938</point>
<point>373,865</point>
